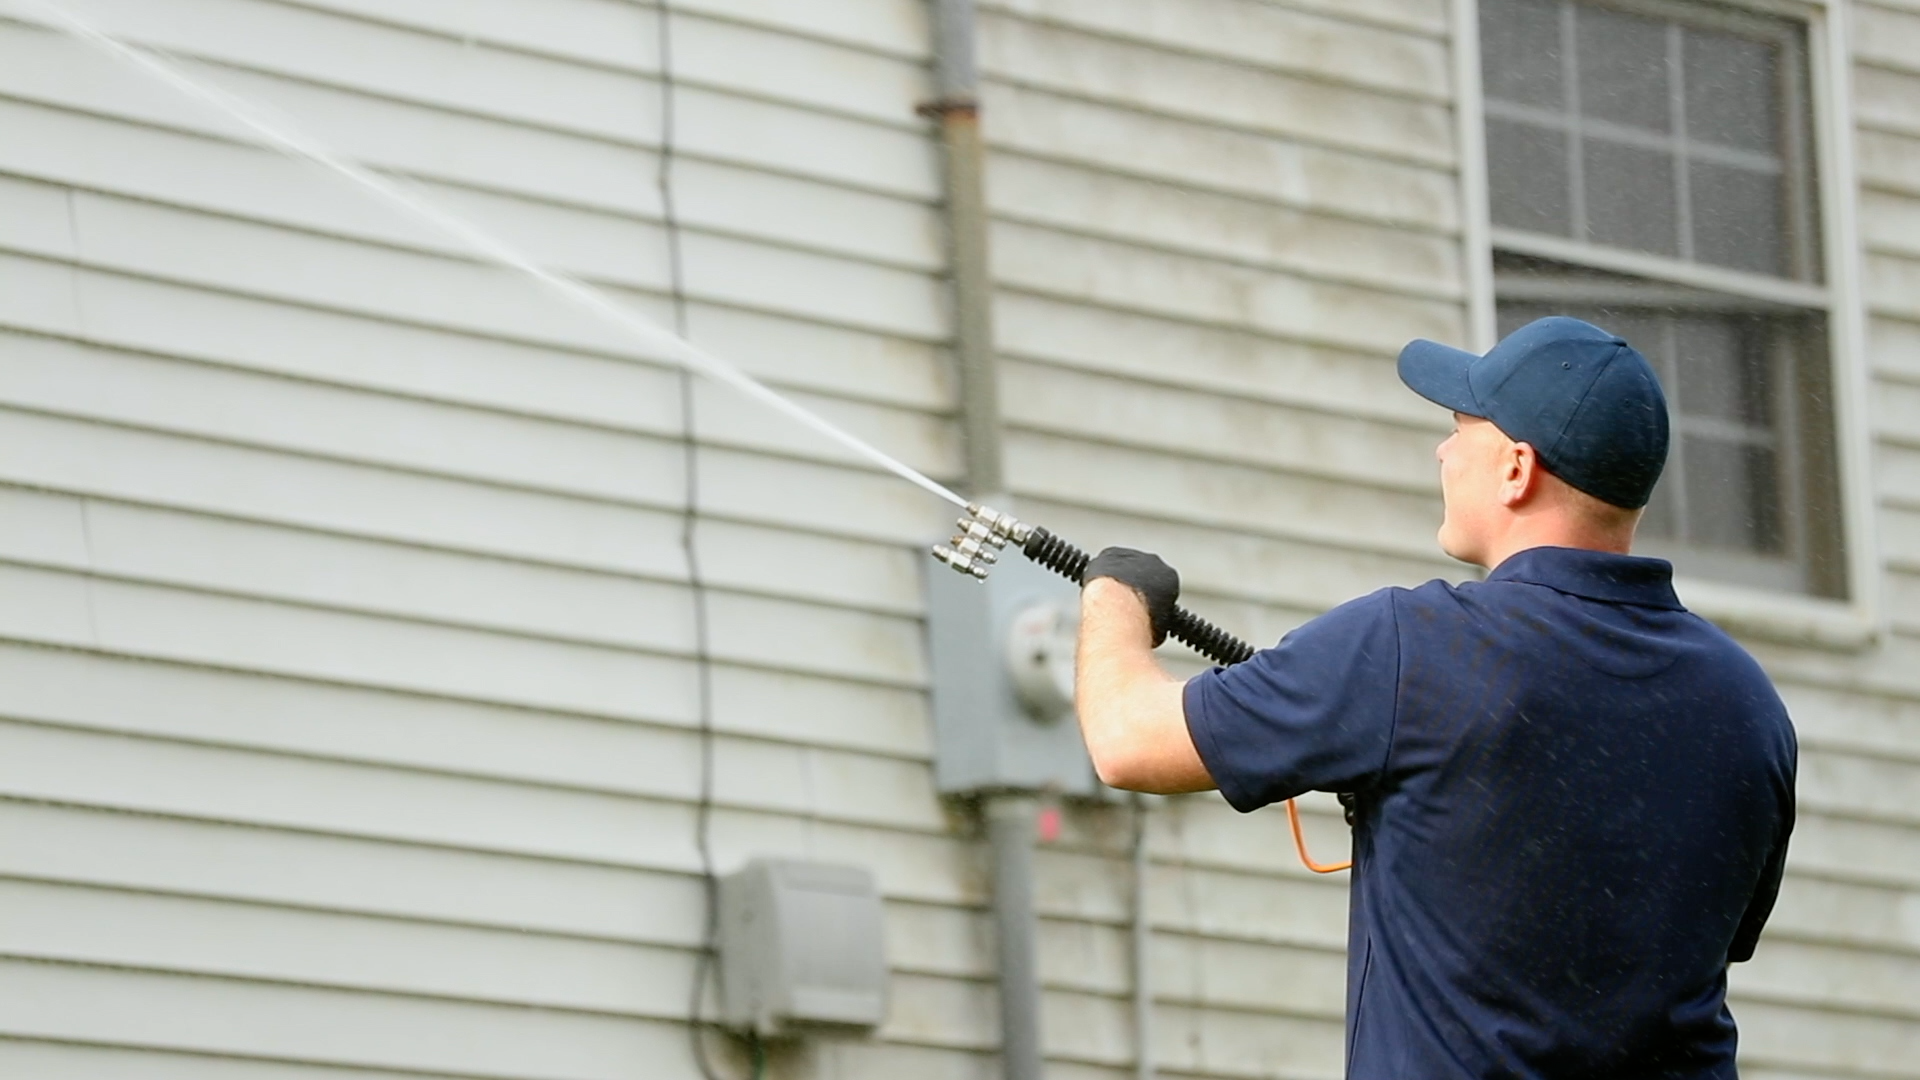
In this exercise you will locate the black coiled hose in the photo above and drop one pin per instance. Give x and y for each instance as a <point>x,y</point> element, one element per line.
<point>1205,638</point>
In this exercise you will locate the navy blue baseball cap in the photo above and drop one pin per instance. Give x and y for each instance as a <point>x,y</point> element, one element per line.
<point>1586,401</point>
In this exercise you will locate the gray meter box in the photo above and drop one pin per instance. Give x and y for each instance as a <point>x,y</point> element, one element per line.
<point>801,946</point>
<point>1002,660</point>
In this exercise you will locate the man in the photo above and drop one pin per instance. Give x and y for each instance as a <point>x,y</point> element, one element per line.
<point>1570,797</point>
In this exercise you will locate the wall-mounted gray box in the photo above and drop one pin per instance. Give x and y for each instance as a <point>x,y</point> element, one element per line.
<point>1002,663</point>
<point>801,946</point>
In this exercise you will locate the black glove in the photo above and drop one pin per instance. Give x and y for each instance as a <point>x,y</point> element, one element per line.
<point>1157,583</point>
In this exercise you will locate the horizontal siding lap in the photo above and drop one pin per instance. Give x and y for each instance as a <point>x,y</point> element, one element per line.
<point>239,787</point>
<point>850,1058</point>
<point>1900,537</point>
<point>1891,223</point>
<point>1205,291</point>
<point>1245,163</point>
<point>1223,360</point>
<point>1867,724</point>
<point>1792,1036</point>
<point>791,768</point>
<point>1261,35</point>
<point>310,870</point>
<point>1864,785</point>
<point>1889,162</point>
<point>366,500</point>
<point>1225,227</point>
<point>1893,286</point>
<point>1207,91</point>
<point>89,926</point>
<point>65,147</point>
<point>1219,1042</point>
<point>1886,37</point>
<point>84,1004</point>
<point>1303,507</point>
<point>897,28</point>
<point>71,1061</point>
<point>324,430</point>
<point>1219,426</point>
<point>1894,347</point>
<point>1869,981</point>
<point>439,289</point>
<point>1876,917</point>
<point>594,60</point>
<point>1883,99</point>
<point>135,314</point>
<point>1897,474</point>
<point>131,616</point>
<point>1304,576</point>
<point>1853,850</point>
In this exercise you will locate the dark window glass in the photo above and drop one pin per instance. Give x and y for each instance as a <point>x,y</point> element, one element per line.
<point>1528,174</point>
<point>1733,91</point>
<point>1623,68</point>
<point>1738,218</point>
<point>1631,197</point>
<point>1521,41</point>
<point>1732,492</point>
<point>1723,372</point>
<point>1677,133</point>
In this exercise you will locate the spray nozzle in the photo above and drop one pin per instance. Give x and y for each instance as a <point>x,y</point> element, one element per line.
<point>984,533</point>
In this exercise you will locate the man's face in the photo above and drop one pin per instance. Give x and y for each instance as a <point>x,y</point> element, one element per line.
<point>1471,471</point>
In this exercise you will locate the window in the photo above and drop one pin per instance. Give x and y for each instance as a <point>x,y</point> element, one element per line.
<point>1649,171</point>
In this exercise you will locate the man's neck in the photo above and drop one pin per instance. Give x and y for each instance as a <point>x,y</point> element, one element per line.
<point>1522,539</point>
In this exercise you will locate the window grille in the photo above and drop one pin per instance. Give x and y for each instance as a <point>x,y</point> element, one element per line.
<point>1649,171</point>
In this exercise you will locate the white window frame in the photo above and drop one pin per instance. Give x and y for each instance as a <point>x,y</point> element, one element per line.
<point>1858,622</point>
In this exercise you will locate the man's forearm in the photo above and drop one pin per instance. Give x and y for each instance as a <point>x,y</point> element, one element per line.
<point>1131,713</point>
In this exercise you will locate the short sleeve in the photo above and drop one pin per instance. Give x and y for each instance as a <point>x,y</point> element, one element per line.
<point>1315,712</point>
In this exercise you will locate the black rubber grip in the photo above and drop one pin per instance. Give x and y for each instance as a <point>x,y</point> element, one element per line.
<point>1205,638</point>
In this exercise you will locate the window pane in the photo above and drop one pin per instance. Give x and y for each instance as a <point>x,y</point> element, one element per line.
<point>1737,218</point>
<point>1623,68</point>
<point>1527,168</point>
<point>1520,52</point>
<point>1630,197</point>
<point>1724,370</point>
<point>1732,91</point>
<point>1733,498</point>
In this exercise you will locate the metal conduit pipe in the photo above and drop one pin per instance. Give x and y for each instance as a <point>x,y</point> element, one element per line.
<point>1010,830</point>
<point>1142,947</point>
<point>956,105</point>
<point>1010,818</point>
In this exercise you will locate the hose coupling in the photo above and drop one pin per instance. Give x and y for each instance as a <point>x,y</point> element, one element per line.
<point>984,534</point>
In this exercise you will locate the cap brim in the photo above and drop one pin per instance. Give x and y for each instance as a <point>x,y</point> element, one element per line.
<point>1439,373</point>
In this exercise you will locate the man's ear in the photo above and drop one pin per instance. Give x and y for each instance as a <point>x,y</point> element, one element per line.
<point>1519,474</point>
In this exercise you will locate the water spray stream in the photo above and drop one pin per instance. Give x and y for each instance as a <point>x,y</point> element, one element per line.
<point>275,132</point>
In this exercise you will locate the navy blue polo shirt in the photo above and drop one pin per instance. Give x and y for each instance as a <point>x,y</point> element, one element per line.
<point>1572,806</point>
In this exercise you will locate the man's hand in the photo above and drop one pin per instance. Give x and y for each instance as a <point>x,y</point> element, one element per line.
<point>1157,584</point>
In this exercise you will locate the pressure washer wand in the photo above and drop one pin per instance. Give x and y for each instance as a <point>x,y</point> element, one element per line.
<point>985,533</point>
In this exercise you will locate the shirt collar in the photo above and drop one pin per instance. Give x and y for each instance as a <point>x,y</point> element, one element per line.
<point>1595,575</point>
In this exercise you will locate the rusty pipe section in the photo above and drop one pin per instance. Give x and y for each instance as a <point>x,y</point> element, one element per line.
<point>956,107</point>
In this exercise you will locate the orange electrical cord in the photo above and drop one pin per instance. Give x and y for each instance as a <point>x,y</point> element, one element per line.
<point>1300,845</point>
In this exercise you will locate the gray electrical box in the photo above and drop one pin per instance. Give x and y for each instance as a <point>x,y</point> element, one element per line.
<point>801,947</point>
<point>1002,659</point>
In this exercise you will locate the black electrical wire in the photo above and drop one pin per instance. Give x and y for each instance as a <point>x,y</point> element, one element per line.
<point>706,958</point>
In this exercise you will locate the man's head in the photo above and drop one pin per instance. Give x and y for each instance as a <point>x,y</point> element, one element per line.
<point>1560,433</point>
